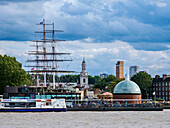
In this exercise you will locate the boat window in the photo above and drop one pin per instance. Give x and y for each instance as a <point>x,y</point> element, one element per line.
<point>20,104</point>
<point>6,104</point>
<point>48,104</point>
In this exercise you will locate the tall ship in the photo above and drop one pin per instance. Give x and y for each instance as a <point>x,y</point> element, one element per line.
<point>47,58</point>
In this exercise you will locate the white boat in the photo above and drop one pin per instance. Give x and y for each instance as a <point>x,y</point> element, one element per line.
<point>32,105</point>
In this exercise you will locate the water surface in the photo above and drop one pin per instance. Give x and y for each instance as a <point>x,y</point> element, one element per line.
<point>117,119</point>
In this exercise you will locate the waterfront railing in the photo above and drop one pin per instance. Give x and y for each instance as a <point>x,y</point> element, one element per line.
<point>98,103</point>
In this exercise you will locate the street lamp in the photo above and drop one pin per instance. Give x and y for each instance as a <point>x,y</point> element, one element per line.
<point>154,97</point>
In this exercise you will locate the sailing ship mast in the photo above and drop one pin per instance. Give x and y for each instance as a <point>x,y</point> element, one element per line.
<point>43,64</point>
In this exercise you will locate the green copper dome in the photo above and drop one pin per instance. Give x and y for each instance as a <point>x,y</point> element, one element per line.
<point>126,86</point>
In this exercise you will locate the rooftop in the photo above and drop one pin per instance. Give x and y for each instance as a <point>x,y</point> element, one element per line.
<point>126,86</point>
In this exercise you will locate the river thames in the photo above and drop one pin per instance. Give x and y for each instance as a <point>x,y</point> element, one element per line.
<point>112,119</point>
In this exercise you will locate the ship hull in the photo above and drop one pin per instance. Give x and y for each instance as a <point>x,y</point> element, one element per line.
<point>33,110</point>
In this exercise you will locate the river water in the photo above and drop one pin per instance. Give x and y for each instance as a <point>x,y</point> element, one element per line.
<point>112,119</point>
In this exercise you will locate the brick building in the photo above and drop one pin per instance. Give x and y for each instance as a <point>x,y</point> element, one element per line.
<point>161,87</point>
<point>127,90</point>
<point>120,69</point>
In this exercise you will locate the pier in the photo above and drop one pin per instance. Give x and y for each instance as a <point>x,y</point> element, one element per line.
<point>112,105</point>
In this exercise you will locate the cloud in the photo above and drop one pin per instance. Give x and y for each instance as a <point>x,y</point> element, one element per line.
<point>100,57</point>
<point>136,32</point>
<point>103,21</point>
<point>159,46</point>
<point>160,4</point>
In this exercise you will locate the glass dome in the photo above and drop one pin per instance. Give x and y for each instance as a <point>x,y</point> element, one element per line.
<point>127,86</point>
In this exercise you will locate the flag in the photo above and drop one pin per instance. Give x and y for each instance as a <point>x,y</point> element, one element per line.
<point>153,93</point>
<point>32,69</point>
<point>41,22</point>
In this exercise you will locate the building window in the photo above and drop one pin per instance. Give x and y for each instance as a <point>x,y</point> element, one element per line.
<point>156,89</point>
<point>166,93</point>
<point>163,93</point>
<point>166,89</point>
<point>159,93</point>
<point>162,83</point>
<point>163,89</point>
<point>166,83</point>
<point>159,88</point>
<point>169,93</point>
<point>153,89</point>
<point>84,80</point>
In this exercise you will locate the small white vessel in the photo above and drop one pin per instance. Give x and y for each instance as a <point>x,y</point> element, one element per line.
<point>32,105</point>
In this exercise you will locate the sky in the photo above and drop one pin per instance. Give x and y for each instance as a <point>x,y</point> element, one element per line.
<point>105,31</point>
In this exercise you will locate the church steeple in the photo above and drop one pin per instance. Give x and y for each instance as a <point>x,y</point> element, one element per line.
<point>84,64</point>
<point>84,75</point>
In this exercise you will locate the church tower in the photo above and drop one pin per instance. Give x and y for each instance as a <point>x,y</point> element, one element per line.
<point>84,75</point>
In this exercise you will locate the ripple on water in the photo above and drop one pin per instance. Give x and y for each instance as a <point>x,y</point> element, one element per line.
<point>129,119</point>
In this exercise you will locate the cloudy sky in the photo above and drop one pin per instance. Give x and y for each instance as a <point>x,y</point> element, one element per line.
<point>135,31</point>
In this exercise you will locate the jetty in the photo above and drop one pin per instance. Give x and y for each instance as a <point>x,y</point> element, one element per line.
<point>112,105</point>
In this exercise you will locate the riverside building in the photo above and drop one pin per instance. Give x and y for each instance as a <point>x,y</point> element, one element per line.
<point>161,87</point>
<point>127,90</point>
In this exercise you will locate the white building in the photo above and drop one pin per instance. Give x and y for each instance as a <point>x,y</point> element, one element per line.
<point>84,75</point>
<point>133,70</point>
<point>103,75</point>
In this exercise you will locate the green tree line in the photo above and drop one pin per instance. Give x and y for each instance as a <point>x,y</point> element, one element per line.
<point>107,84</point>
<point>11,73</point>
<point>144,81</point>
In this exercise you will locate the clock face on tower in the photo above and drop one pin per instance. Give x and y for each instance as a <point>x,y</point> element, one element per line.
<point>84,73</point>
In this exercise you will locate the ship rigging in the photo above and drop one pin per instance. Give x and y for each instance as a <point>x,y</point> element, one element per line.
<point>46,58</point>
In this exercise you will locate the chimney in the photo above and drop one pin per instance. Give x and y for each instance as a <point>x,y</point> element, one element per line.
<point>164,76</point>
<point>157,76</point>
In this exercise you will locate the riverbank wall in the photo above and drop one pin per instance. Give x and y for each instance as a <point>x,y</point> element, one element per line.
<point>117,109</point>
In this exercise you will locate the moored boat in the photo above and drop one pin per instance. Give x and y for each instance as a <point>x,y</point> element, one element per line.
<point>32,105</point>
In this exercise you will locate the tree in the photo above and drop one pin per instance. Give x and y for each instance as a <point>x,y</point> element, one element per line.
<point>112,84</point>
<point>11,73</point>
<point>110,78</point>
<point>108,83</point>
<point>97,79</point>
<point>144,81</point>
<point>91,79</point>
<point>69,78</point>
<point>101,84</point>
